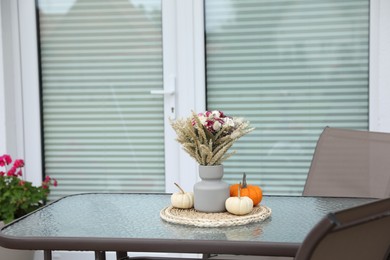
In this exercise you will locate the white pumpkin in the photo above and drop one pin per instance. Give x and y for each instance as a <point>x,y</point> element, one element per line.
<point>182,199</point>
<point>239,205</point>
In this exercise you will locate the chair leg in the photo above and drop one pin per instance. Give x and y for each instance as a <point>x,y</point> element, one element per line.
<point>47,254</point>
<point>100,255</point>
<point>121,255</point>
<point>207,256</point>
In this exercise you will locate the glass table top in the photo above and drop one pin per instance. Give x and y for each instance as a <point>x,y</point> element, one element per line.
<point>138,216</point>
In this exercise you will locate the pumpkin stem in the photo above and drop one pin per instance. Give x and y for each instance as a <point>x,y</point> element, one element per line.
<point>181,190</point>
<point>244,184</point>
<point>239,191</point>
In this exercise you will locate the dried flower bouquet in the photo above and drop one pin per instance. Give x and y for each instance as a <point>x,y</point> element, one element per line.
<point>207,136</point>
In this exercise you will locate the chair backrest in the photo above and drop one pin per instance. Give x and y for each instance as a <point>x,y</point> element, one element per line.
<point>361,232</point>
<point>350,163</point>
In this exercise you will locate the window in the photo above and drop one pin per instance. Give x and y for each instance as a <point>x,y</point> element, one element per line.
<point>292,68</point>
<point>102,129</point>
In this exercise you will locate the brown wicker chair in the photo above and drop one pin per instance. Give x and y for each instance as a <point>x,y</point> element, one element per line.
<point>350,163</point>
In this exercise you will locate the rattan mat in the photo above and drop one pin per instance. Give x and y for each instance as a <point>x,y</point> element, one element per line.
<point>191,217</point>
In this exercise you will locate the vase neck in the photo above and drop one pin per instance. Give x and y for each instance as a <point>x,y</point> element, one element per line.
<point>210,172</point>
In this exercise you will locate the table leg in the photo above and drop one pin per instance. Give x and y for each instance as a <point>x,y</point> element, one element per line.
<point>47,255</point>
<point>121,255</point>
<point>100,255</point>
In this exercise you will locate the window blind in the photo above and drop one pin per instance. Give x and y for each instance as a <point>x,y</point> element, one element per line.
<point>102,129</point>
<point>291,68</point>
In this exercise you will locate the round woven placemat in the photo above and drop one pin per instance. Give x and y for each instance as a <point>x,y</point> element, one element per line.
<point>191,217</point>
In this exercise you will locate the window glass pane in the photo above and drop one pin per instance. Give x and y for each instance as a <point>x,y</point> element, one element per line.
<point>291,68</point>
<point>103,131</point>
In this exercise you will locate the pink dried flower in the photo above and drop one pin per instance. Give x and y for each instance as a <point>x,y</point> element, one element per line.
<point>213,121</point>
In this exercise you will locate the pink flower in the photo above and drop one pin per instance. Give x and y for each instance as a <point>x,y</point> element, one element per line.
<point>19,163</point>
<point>5,160</point>
<point>47,181</point>
<point>21,183</point>
<point>11,172</point>
<point>19,173</point>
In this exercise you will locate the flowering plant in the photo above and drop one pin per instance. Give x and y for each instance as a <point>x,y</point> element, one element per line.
<point>208,136</point>
<point>17,196</point>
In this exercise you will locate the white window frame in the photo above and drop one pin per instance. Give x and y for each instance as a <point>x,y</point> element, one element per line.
<point>379,77</point>
<point>183,57</point>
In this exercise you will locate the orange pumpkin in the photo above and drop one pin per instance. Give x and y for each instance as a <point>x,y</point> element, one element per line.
<point>252,191</point>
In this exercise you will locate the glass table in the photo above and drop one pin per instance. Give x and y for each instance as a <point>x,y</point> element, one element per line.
<point>130,222</point>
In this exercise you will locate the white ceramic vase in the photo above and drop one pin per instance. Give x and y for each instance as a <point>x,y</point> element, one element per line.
<point>211,192</point>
